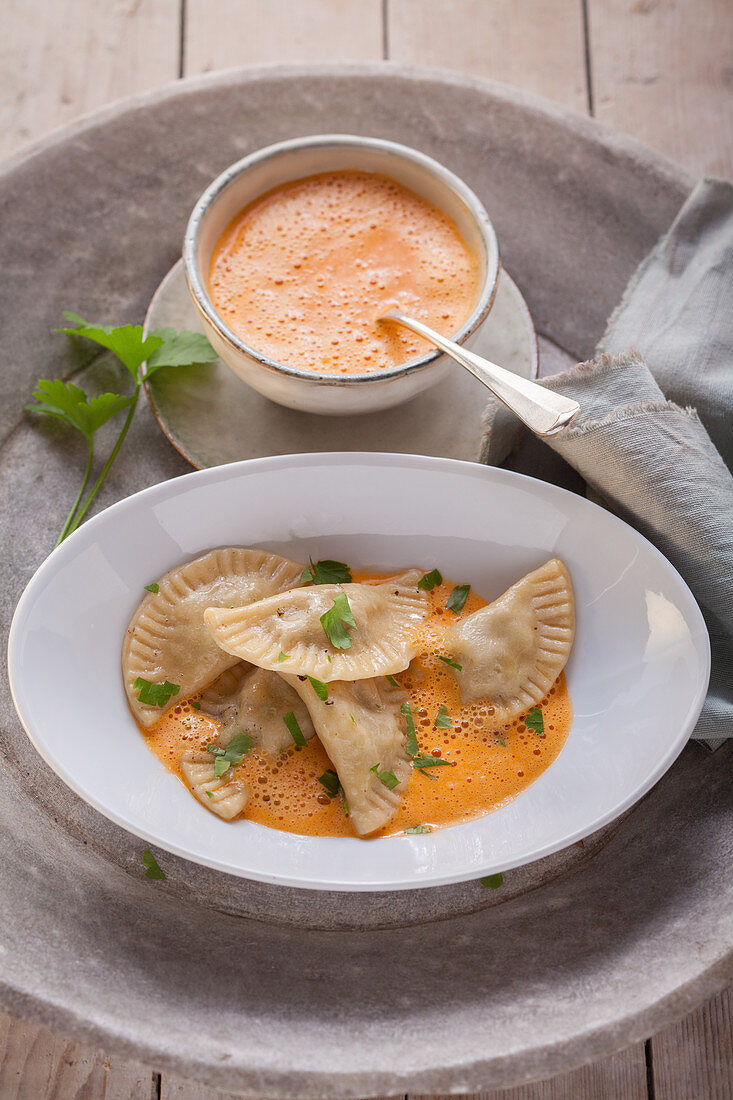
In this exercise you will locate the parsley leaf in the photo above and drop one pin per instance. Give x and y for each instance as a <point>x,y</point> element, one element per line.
<point>419,829</point>
<point>411,745</point>
<point>126,341</point>
<point>295,731</point>
<point>179,349</point>
<point>389,779</point>
<point>422,761</point>
<point>284,656</point>
<point>234,753</point>
<point>320,688</point>
<point>151,865</point>
<point>330,781</point>
<point>155,695</point>
<point>391,680</point>
<point>457,599</point>
<point>430,580</point>
<point>194,704</point>
<point>69,403</point>
<point>154,588</point>
<point>336,619</point>
<point>535,721</point>
<point>442,719</point>
<point>326,572</point>
<point>493,881</point>
<point>448,661</point>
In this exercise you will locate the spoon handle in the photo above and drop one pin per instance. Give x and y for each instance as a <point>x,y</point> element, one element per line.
<point>543,411</point>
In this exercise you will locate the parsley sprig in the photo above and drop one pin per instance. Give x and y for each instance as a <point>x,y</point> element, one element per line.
<point>234,753</point>
<point>336,620</point>
<point>326,572</point>
<point>389,778</point>
<point>534,721</point>
<point>164,347</point>
<point>155,695</point>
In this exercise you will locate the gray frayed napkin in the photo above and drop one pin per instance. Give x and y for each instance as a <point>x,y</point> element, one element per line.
<point>640,441</point>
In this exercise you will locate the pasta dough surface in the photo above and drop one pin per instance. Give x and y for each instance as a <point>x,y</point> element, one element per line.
<point>382,642</point>
<point>512,651</point>
<point>254,701</point>
<point>166,638</point>
<point>360,725</point>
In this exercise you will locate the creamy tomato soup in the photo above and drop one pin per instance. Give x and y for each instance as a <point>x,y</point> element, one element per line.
<point>304,273</point>
<point>487,763</point>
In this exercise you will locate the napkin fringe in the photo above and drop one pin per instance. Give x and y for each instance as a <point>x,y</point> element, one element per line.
<point>629,412</point>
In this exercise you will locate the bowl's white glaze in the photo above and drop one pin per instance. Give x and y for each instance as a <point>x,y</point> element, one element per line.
<point>637,674</point>
<point>260,172</point>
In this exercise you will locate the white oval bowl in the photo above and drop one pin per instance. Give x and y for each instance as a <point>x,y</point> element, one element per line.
<point>260,172</point>
<point>637,674</point>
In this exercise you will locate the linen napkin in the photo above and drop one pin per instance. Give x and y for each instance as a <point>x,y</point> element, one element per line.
<point>654,438</point>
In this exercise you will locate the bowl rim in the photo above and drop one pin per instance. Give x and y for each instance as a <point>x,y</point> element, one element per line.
<point>213,192</point>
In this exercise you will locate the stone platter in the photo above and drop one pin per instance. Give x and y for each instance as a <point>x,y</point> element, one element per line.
<point>254,988</point>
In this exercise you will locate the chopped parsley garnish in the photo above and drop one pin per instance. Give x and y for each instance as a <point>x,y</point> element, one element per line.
<point>154,588</point>
<point>336,619</point>
<point>209,794</point>
<point>419,829</point>
<point>194,704</point>
<point>330,781</point>
<point>442,719</point>
<point>295,731</point>
<point>448,661</point>
<point>535,722</point>
<point>411,745</point>
<point>457,599</point>
<point>155,695</point>
<point>151,865</point>
<point>389,779</point>
<point>320,688</point>
<point>423,761</point>
<point>284,656</point>
<point>391,680</point>
<point>430,580</point>
<point>500,741</point>
<point>326,572</point>
<point>234,753</point>
<point>493,881</point>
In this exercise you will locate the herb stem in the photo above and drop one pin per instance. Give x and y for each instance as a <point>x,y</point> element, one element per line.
<point>107,466</point>
<point>67,526</point>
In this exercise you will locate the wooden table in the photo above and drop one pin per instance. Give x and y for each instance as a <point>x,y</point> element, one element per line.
<point>661,70</point>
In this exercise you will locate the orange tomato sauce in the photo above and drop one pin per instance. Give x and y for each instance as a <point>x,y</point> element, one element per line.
<point>490,763</point>
<point>303,273</point>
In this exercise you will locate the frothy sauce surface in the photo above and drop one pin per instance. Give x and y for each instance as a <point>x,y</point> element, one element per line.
<point>303,273</point>
<point>490,763</point>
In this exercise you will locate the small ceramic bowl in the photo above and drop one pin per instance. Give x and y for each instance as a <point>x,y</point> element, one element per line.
<point>260,172</point>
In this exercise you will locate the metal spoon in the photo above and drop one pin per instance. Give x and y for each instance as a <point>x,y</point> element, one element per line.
<point>543,411</point>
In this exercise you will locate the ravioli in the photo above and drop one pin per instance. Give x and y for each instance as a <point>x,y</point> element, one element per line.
<point>512,651</point>
<point>360,725</point>
<point>382,642</point>
<point>166,638</point>
<point>224,796</point>
<point>254,701</point>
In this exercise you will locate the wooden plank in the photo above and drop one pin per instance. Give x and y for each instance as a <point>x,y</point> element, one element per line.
<point>176,1088</point>
<point>661,70</point>
<point>36,1064</point>
<point>536,45</point>
<point>61,59</point>
<point>223,33</point>
<point>621,1076</point>
<point>694,1058</point>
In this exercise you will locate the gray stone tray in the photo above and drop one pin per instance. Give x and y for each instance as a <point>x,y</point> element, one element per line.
<point>255,988</point>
